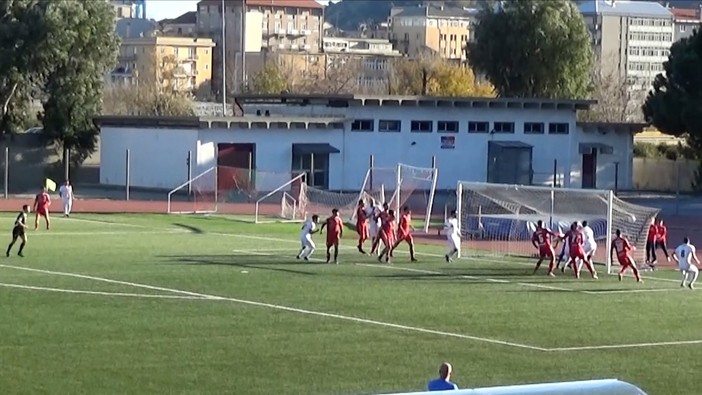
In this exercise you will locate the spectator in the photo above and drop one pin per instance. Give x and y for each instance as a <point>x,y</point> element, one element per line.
<point>443,383</point>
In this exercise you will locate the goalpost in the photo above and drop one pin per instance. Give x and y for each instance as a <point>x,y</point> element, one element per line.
<point>402,185</point>
<point>499,219</point>
<point>195,196</point>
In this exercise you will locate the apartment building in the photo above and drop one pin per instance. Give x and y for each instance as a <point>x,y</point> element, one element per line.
<point>444,31</point>
<point>631,39</point>
<point>369,60</point>
<point>686,21</point>
<point>269,25</point>
<point>184,25</point>
<point>123,10</point>
<point>180,63</point>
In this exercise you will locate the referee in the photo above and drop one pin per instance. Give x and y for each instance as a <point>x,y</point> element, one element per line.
<point>19,231</point>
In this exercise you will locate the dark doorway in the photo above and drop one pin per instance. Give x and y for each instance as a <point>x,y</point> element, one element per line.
<point>589,174</point>
<point>236,166</point>
<point>509,162</point>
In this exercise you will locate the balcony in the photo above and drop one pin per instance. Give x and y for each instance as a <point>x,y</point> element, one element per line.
<point>293,32</point>
<point>281,46</point>
<point>306,47</point>
<point>305,32</point>
<point>280,32</point>
<point>127,58</point>
<point>294,47</point>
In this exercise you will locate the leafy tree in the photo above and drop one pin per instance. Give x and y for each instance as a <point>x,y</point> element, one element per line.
<point>27,46</point>
<point>73,89</point>
<point>433,76</point>
<point>270,80</point>
<point>674,106</point>
<point>534,48</point>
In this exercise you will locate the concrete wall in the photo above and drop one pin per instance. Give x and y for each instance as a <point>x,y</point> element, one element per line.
<point>31,161</point>
<point>664,175</point>
<point>157,156</point>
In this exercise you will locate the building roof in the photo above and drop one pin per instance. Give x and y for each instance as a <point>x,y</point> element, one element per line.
<point>435,11</point>
<point>625,8</point>
<point>687,14</point>
<point>189,17</point>
<point>269,3</point>
<point>245,122</point>
<point>416,101</point>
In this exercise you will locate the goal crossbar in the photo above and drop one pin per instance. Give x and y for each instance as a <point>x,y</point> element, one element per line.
<point>169,205</point>
<point>285,198</point>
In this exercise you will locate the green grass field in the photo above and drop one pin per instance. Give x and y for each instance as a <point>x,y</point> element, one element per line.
<point>117,304</point>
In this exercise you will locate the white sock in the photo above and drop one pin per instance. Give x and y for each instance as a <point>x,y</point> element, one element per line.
<point>693,276</point>
<point>684,276</point>
<point>309,252</point>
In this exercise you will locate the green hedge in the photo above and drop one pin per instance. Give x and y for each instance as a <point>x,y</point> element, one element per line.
<point>668,151</point>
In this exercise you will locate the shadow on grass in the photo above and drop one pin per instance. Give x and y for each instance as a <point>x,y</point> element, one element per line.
<point>249,262</point>
<point>192,229</point>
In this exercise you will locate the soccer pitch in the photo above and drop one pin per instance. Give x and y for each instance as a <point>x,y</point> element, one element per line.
<point>106,304</point>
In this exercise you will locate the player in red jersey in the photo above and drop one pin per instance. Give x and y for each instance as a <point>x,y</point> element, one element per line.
<point>387,235</point>
<point>541,239</point>
<point>575,246</point>
<point>651,244</point>
<point>335,230</point>
<point>404,233</point>
<point>382,217</point>
<point>621,246</point>
<point>661,236</point>
<point>361,225</point>
<point>41,208</point>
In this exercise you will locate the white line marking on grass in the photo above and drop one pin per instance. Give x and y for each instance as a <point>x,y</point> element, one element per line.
<point>290,309</point>
<point>105,280</point>
<point>69,233</point>
<point>77,291</point>
<point>633,291</point>
<point>622,346</point>
<point>97,221</point>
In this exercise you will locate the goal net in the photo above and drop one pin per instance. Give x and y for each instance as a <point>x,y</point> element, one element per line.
<point>197,195</point>
<point>258,196</point>
<point>499,219</point>
<point>403,185</point>
<point>397,186</point>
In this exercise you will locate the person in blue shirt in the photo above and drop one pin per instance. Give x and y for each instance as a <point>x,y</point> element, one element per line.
<point>443,383</point>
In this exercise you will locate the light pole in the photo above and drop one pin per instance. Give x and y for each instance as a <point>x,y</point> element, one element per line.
<point>224,62</point>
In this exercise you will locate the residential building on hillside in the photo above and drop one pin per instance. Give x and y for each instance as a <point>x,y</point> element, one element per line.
<point>270,25</point>
<point>180,63</point>
<point>444,31</point>
<point>183,26</point>
<point>631,39</point>
<point>686,20</point>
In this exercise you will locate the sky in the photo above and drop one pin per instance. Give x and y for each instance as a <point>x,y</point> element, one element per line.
<point>162,9</point>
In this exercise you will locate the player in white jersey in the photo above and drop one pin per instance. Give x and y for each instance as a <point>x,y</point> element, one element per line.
<point>66,193</point>
<point>589,243</point>
<point>307,245</point>
<point>372,212</point>
<point>684,255</point>
<point>453,236</point>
